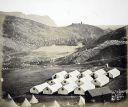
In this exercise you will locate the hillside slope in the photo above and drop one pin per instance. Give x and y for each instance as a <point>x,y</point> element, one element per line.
<point>105,49</point>
<point>41,19</point>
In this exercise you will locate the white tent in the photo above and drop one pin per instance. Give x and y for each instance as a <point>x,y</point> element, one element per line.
<point>38,88</point>
<point>86,86</point>
<point>55,104</point>
<point>55,81</point>
<point>59,75</point>
<point>113,73</point>
<point>81,101</point>
<point>9,97</point>
<point>99,72</point>
<point>74,73</point>
<point>69,80</point>
<point>11,103</point>
<point>43,105</point>
<point>84,79</point>
<point>101,81</point>
<point>85,73</point>
<point>26,103</point>
<point>52,89</point>
<point>2,79</point>
<point>67,88</point>
<point>34,100</point>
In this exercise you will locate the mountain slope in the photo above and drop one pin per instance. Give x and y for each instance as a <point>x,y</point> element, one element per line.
<point>25,35</point>
<point>106,48</point>
<point>41,19</point>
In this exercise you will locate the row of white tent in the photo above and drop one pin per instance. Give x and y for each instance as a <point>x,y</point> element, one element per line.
<point>65,83</point>
<point>26,103</point>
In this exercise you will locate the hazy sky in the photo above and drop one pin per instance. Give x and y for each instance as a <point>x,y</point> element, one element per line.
<point>65,12</point>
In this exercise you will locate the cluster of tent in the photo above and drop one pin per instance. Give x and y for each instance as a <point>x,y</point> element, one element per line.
<point>26,103</point>
<point>65,83</point>
<point>34,100</point>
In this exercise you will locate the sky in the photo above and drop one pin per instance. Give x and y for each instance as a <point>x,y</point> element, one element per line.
<point>65,12</point>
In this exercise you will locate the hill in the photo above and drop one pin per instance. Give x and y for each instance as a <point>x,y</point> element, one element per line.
<point>105,49</point>
<point>41,19</point>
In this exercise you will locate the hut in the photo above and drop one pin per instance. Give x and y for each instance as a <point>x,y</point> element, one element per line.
<point>98,95</point>
<point>69,80</point>
<point>85,73</point>
<point>101,81</point>
<point>33,100</point>
<point>80,90</point>
<point>59,75</point>
<point>26,103</point>
<point>84,79</point>
<point>55,81</point>
<point>52,89</point>
<point>113,73</point>
<point>81,101</point>
<point>67,89</point>
<point>74,73</point>
<point>99,72</point>
<point>38,88</point>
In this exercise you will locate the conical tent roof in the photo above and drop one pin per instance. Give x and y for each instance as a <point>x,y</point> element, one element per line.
<point>9,97</point>
<point>55,104</point>
<point>81,101</point>
<point>43,105</point>
<point>34,100</point>
<point>26,103</point>
<point>11,103</point>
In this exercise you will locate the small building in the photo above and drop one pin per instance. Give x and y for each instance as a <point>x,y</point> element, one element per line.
<point>69,80</point>
<point>74,73</point>
<point>52,89</point>
<point>98,95</point>
<point>80,90</point>
<point>65,90</point>
<point>113,73</point>
<point>55,81</point>
<point>26,103</point>
<point>85,73</point>
<point>99,72</point>
<point>38,88</point>
<point>101,81</point>
<point>59,75</point>
<point>84,79</point>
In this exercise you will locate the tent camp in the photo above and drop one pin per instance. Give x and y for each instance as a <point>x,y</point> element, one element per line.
<point>101,81</point>
<point>82,88</point>
<point>26,103</point>
<point>52,89</point>
<point>84,79</point>
<point>33,100</point>
<point>67,89</point>
<point>38,88</point>
<point>55,81</point>
<point>69,80</point>
<point>59,75</point>
<point>99,72</point>
<point>113,73</point>
<point>85,73</point>
<point>74,73</point>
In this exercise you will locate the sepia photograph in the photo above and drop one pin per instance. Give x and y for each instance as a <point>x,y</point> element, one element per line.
<point>63,53</point>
